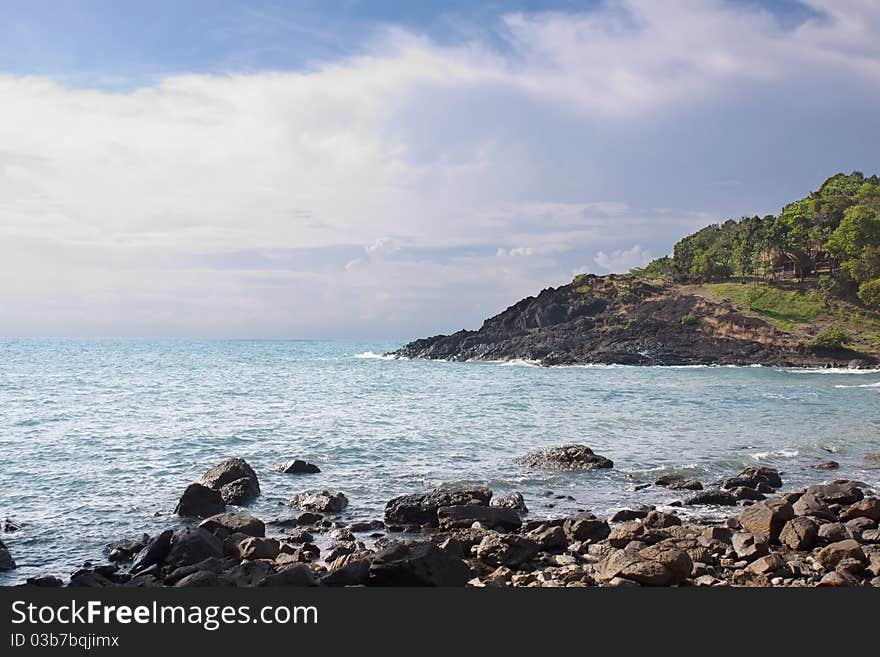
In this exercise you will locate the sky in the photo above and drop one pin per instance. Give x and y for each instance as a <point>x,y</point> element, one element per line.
<point>389,170</point>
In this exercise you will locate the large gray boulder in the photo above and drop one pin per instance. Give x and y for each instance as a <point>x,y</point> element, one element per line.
<point>224,524</point>
<point>235,479</point>
<point>421,509</point>
<point>565,457</point>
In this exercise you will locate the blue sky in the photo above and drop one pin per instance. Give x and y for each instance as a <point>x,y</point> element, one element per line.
<point>390,169</point>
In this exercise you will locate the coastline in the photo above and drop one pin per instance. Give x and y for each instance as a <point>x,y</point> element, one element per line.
<point>823,535</point>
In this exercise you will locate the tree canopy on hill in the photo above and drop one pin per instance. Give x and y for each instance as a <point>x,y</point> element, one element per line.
<point>833,232</point>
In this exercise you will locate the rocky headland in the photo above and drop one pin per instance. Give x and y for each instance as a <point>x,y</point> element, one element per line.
<point>621,319</point>
<point>823,535</point>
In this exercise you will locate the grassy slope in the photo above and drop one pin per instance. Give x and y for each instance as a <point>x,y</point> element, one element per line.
<point>796,308</point>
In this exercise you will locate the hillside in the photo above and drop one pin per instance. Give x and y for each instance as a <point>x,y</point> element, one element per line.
<point>629,320</point>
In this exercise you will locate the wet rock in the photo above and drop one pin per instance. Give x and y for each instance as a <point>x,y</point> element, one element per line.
<point>749,546</point>
<point>45,581</point>
<point>126,549</point>
<point>744,493</point>
<point>417,564</point>
<point>89,579</point>
<point>565,457</point>
<point>235,479</point>
<point>309,518</point>
<point>224,524</point>
<point>192,546</point>
<point>868,507</point>
<point>200,501</point>
<point>506,550</point>
<point>422,509</point>
<point>153,553</point>
<point>800,534</point>
<point>687,484</point>
<point>6,560</point>
<point>321,502</point>
<point>297,466</point>
<point>752,477</point>
<point>832,555</point>
<point>366,526</point>
<point>767,518</point>
<point>712,497</point>
<point>586,527</point>
<point>202,578</point>
<point>513,501</point>
<point>247,573</point>
<point>660,520</point>
<point>301,535</point>
<point>252,547</point>
<point>838,492</point>
<point>458,517</point>
<point>827,465</point>
<point>9,526</point>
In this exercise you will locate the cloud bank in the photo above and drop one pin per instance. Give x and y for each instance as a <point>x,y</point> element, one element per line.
<point>419,187</point>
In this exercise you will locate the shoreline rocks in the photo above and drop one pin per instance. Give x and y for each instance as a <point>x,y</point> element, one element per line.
<point>235,479</point>
<point>565,457</point>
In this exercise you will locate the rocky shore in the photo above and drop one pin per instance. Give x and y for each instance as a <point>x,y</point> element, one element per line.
<point>823,535</point>
<point>623,320</point>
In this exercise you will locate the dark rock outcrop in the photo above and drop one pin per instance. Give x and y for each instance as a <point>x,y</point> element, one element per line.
<point>320,501</point>
<point>200,501</point>
<point>417,564</point>
<point>6,560</point>
<point>297,466</point>
<point>224,524</point>
<point>235,479</point>
<point>422,509</point>
<point>565,457</point>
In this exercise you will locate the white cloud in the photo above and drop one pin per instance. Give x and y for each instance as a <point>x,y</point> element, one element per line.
<point>621,261</point>
<point>103,195</point>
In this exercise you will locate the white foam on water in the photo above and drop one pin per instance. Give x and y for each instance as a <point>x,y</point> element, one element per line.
<point>827,370</point>
<point>862,385</point>
<point>371,355</point>
<point>780,453</point>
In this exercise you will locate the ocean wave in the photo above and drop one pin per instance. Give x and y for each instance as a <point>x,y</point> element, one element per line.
<point>860,385</point>
<point>780,453</point>
<point>827,370</point>
<point>371,355</point>
<point>521,362</point>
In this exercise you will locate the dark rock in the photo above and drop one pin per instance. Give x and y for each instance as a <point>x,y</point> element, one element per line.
<point>89,579</point>
<point>153,553</point>
<point>513,501</point>
<point>248,573</point>
<point>506,550</point>
<point>585,527</point>
<point>417,564</point>
<point>548,538</point>
<point>45,581</point>
<point>298,466</point>
<point>309,518</point>
<point>624,515</point>
<point>201,578</point>
<point>799,533</point>
<point>833,532</point>
<point>6,560</point>
<point>366,526</point>
<point>224,524</point>
<point>744,493</point>
<point>125,550</point>
<point>689,484</point>
<point>751,477</point>
<point>839,492</point>
<point>248,548</point>
<point>457,517</point>
<point>668,480</point>
<point>827,465</point>
<point>660,520</point>
<point>199,501</point>
<point>235,479</point>
<point>321,502</point>
<point>348,572</point>
<point>422,509</point>
<point>192,546</point>
<point>301,535</point>
<point>712,497</point>
<point>292,575</point>
<point>810,505</point>
<point>566,457</point>
<point>10,526</point>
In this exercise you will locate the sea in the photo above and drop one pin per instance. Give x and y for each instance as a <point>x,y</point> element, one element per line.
<point>99,438</point>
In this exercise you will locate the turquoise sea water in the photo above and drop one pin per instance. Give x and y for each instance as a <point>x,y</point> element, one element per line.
<point>99,438</point>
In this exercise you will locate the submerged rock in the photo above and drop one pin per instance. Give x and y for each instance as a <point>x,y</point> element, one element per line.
<point>297,466</point>
<point>320,502</point>
<point>235,479</point>
<point>6,560</point>
<point>565,457</point>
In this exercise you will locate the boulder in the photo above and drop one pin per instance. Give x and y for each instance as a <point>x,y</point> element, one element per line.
<point>507,550</point>
<point>235,479</point>
<point>548,538</point>
<point>45,581</point>
<point>6,560</point>
<point>625,515</point>
<point>768,564</point>
<point>871,536</point>
<point>458,517</point>
<point>199,501</point>
<point>749,546</point>
<point>838,580</point>
<point>651,566</point>
<point>298,466</point>
<point>417,564</point>
<point>252,547</point>
<point>191,546</point>
<point>321,501</point>
<point>660,520</point>
<point>586,527</point>
<point>296,574</point>
<point>832,555</point>
<point>712,497</point>
<point>565,457</point>
<point>799,533</point>
<point>810,505</point>
<point>868,507</point>
<point>767,518</point>
<point>827,465</point>
<point>224,524</point>
<point>752,477</point>
<point>832,532</point>
<point>838,492</point>
<point>513,501</point>
<point>422,509</point>
<point>202,578</point>
<point>687,484</point>
<point>153,553</point>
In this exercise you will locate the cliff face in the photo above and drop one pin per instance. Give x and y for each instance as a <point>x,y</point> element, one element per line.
<point>619,319</point>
